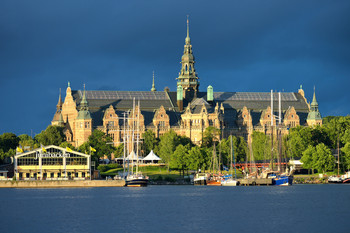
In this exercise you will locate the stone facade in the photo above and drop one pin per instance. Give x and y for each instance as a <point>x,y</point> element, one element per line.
<point>187,111</point>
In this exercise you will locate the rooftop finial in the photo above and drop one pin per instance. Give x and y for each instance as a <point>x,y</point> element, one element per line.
<point>188,27</point>
<point>68,84</point>
<point>188,40</point>
<point>153,86</point>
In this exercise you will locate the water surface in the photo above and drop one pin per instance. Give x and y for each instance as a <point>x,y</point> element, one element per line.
<point>298,208</point>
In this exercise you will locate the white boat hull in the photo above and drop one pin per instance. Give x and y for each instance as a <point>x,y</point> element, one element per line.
<point>229,183</point>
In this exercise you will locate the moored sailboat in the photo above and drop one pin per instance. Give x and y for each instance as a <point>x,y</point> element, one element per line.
<point>215,178</point>
<point>136,179</point>
<point>228,180</point>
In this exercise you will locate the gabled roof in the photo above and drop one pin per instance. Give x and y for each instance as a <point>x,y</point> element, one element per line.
<point>150,102</point>
<point>199,101</point>
<point>49,147</point>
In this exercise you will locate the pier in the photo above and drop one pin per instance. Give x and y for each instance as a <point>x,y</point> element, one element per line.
<point>62,183</point>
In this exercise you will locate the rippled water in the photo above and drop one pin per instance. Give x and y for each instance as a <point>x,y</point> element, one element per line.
<point>298,208</point>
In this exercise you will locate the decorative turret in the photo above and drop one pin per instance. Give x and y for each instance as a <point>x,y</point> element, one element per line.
<point>314,116</point>
<point>60,120</point>
<point>83,122</point>
<point>84,109</point>
<point>56,117</point>
<point>59,104</point>
<point>153,87</point>
<point>179,97</point>
<point>210,94</point>
<point>69,108</point>
<point>188,77</point>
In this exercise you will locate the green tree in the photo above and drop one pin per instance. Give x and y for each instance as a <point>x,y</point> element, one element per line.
<point>149,142</point>
<point>8,141</point>
<point>210,135</point>
<point>67,144</point>
<point>179,158</point>
<point>167,145</point>
<point>53,135</point>
<point>324,160</point>
<point>197,158</point>
<point>3,155</point>
<point>241,150</point>
<point>307,158</point>
<point>27,142</point>
<point>346,151</point>
<point>119,151</point>
<point>260,145</point>
<point>336,127</point>
<point>299,140</point>
<point>101,143</point>
<point>346,137</point>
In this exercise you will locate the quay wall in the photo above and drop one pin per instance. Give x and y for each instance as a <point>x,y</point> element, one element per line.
<point>62,183</point>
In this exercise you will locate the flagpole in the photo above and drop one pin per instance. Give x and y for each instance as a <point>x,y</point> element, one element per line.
<point>90,163</point>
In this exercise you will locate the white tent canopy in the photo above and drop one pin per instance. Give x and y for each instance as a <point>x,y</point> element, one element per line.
<point>132,156</point>
<point>151,157</point>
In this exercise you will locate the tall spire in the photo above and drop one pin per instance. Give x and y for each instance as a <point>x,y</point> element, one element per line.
<point>188,40</point>
<point>83,103</point>
<point>59,104</point>
<point>84,109</point>
<point>153,86</point>
<point>188,78</point>
<point>314,116</point>
<point>314,101</point>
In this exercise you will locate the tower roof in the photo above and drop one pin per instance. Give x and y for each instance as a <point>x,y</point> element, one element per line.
<point>314,113</point>
<point>84,109</point>
<point>188,78</point>
<point>59,104</point>
<point>314,101</point>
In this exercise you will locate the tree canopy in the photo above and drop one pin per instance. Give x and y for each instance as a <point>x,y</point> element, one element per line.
<point>52,135</point>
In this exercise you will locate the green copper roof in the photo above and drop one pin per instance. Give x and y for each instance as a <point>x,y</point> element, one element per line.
<point>314,114</point>
<point>84,109</point>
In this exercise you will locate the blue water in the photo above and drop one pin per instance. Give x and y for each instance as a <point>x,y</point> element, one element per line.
<point>298,208</point>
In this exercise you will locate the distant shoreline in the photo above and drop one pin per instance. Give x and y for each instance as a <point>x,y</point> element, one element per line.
<point>62,184</point>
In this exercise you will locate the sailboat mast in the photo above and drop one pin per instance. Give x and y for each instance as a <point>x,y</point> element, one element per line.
<point>133,134</point>
<point>124,141</point>
<point>138,137</point>
<point>279,133</point>
<point>128,140</point>
<point>338,154</point>
<point>271,130</point>
<point>231,156</point>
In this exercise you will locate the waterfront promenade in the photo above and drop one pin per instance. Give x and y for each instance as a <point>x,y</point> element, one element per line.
<point>62,184</point>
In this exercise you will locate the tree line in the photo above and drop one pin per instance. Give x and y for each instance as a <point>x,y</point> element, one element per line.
<point>313,145</point>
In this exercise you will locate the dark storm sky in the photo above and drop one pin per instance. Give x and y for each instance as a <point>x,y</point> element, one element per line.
<point>248,45</point>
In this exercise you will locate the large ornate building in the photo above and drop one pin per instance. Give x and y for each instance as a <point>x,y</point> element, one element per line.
<point>188,111</point>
